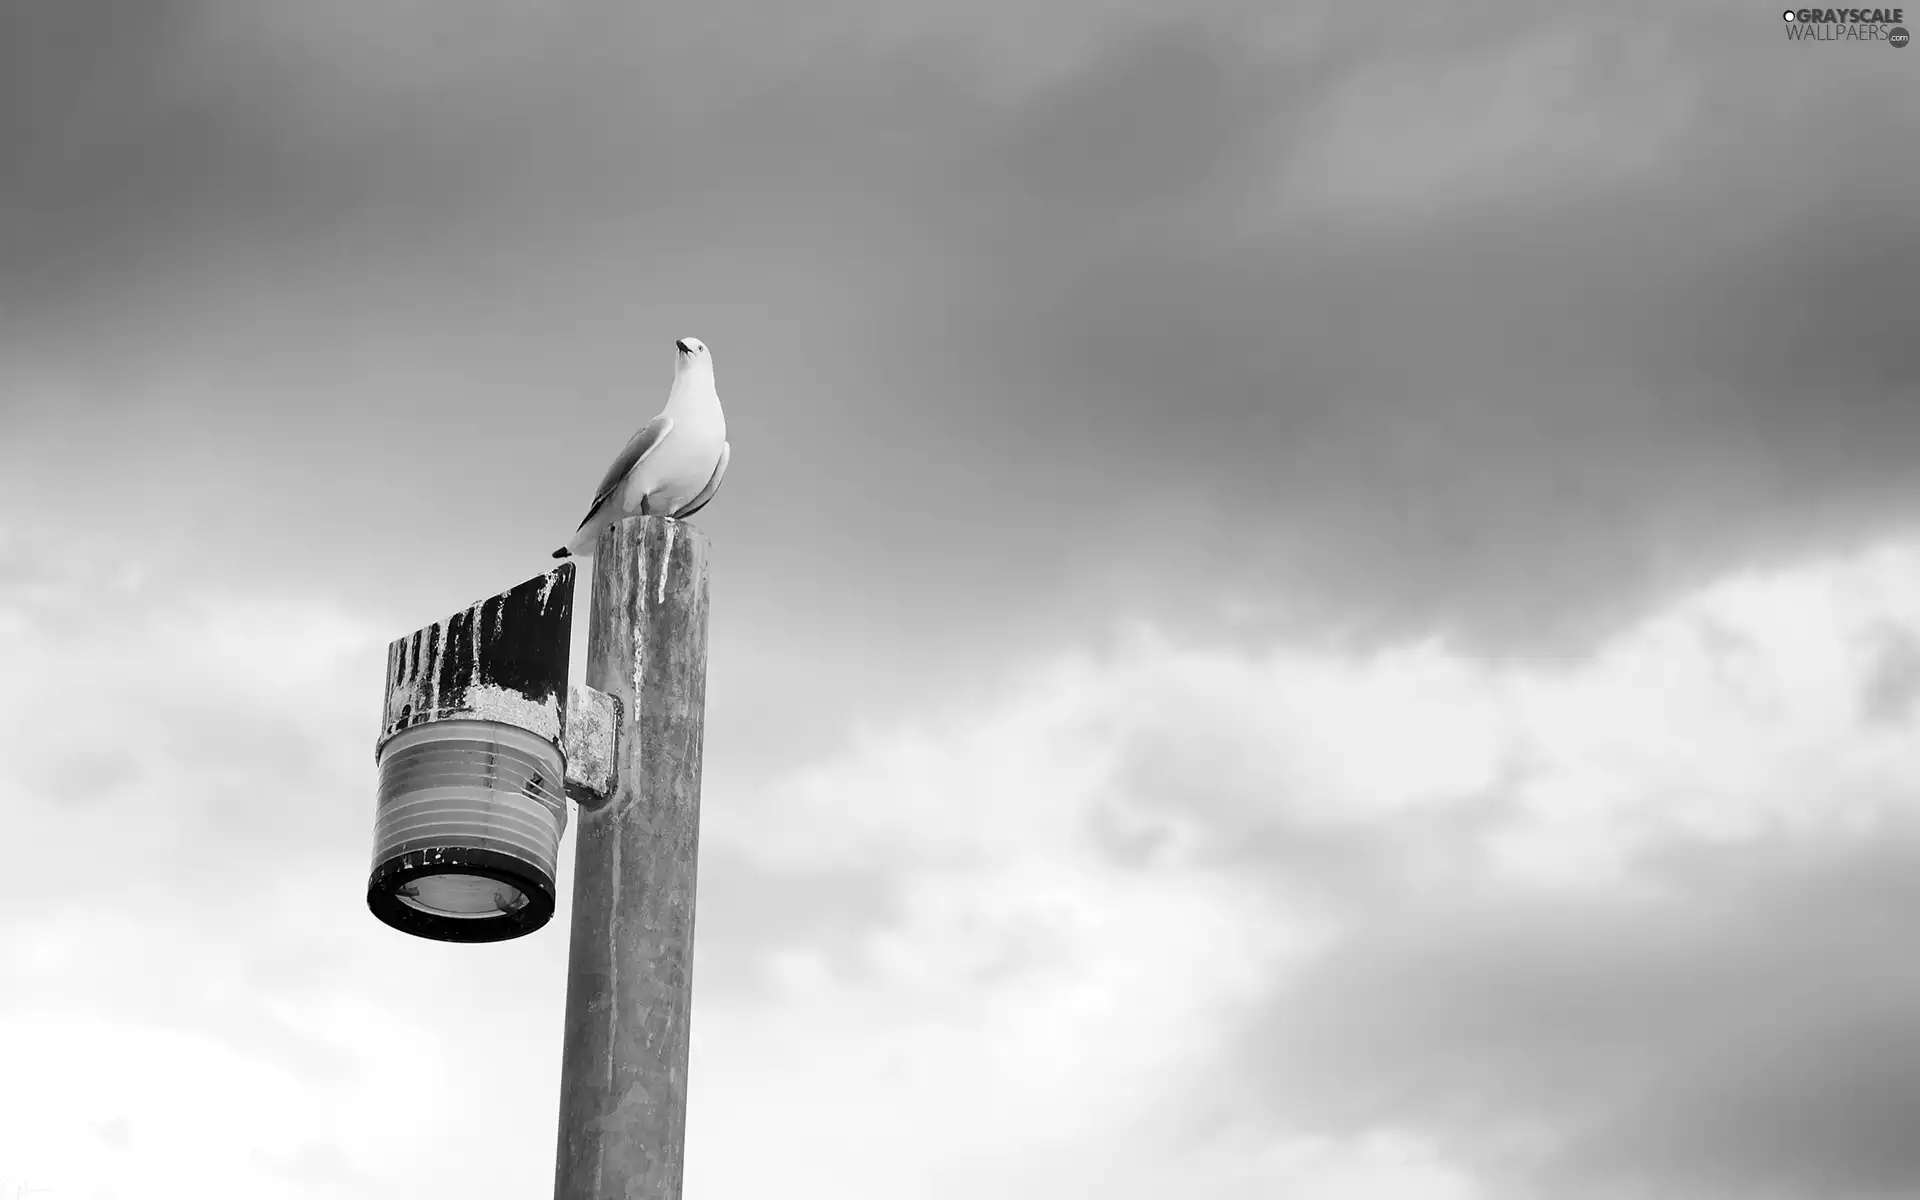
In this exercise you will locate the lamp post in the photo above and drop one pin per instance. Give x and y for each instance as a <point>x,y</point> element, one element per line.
<point>623,1074</point>
<point>482,743</point>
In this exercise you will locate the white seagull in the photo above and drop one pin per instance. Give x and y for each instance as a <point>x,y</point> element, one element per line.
<point>673,466</point>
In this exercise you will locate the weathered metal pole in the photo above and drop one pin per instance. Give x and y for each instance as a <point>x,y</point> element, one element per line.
<point>623,1074</point>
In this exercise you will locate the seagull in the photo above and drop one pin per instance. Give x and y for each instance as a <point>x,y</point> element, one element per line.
<point>673,465</point>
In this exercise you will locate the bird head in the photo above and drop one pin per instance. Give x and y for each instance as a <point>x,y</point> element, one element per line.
<point>691,353</point>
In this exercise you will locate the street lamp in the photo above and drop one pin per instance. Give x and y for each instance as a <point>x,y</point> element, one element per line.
<point>467,834</point>
<point>473,768</point>
<point>482,743</point>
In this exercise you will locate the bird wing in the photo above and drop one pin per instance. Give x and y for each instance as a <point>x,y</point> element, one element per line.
<point>713,485</point>
<point>641,444</point>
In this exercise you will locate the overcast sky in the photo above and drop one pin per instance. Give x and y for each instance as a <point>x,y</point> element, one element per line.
<point>1311,601</point>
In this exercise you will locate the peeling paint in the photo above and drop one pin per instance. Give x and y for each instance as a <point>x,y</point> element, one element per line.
<point>489,703</point>
<point>502,659</point>
<point>639,672</point>
<point>666,566</point>
<point>432,635</point>
<point>592,721</point>
<point>475,617</point>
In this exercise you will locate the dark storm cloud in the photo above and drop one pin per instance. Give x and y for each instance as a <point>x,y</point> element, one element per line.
<point>1002,358</point>
<point>1007,330</point>
<point>1738,1020</point>
<point>1749,1033</point>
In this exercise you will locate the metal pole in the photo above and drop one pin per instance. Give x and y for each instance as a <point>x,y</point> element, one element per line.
<point>623,1074</point>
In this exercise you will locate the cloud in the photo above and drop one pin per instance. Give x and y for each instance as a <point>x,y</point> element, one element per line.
<point>1741,1036</point>
<point>1352,921</point>
<point>1208,283</point>
<point>191,789</point>
<point>1894,680</point>
<point>318,1163</point>
<point>1660,963</point>
<point>1612,928</point>
<point>1468,814</point>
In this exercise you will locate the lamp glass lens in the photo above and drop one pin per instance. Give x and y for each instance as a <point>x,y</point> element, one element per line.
<point>462,896</point>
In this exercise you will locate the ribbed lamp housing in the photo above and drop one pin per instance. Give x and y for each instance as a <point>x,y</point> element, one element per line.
<point>466,833</point>
<point>472,795</point>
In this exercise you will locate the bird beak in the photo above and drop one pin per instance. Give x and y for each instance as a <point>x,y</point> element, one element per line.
<point>684,348</point>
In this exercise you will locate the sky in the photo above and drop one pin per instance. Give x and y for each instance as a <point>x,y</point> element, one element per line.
<point>1310,601</point>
